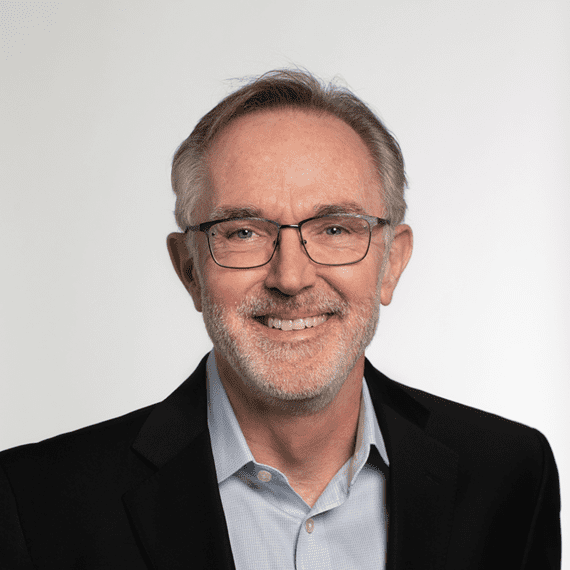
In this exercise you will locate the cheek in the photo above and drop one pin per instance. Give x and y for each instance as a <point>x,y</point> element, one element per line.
<point>229,287</point>
<point>358,280</point>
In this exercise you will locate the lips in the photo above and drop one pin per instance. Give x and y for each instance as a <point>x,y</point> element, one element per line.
<point>294,324</point>
<point>304,311</point>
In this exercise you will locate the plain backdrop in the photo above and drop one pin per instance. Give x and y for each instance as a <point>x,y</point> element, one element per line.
<point>96,96</point>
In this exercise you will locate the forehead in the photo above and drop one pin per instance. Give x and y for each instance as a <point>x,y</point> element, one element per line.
<point>290,162</point>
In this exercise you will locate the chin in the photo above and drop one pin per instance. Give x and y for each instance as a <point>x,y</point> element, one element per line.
<point>300,376</point>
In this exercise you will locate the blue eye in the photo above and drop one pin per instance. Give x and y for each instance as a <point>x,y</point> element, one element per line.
<point>244,233</point>
<point>334,231</point>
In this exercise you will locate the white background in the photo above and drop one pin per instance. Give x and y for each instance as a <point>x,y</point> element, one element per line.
<point>95,98</point>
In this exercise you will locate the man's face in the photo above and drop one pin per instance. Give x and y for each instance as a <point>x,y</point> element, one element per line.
<point>287,166</point>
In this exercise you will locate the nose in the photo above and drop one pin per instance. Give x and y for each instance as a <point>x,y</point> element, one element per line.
<point>290,269</point>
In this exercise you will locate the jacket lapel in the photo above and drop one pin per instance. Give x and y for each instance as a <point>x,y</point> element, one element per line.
<point>422,479</point>
<point>177,513</point>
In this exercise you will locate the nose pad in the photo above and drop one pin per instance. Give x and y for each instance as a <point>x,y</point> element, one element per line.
<point>277,241</point>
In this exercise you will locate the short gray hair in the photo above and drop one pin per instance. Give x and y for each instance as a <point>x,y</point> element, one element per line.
<point>279,89</point>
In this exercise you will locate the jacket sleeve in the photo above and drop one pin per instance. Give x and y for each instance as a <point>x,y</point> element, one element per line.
<point>14,553</point>
<point>543,549</point>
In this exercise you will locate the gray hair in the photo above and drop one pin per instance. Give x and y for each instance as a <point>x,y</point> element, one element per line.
<point>286,88</point>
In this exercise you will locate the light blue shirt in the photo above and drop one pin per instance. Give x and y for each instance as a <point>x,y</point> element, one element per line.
<point>271,526</point>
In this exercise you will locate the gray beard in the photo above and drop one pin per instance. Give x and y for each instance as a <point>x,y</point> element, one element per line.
<point>270,369</point>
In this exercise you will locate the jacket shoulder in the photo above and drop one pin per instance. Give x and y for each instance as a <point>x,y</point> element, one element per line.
<point>467,418</point>
<point>105,446</point>
<point>465,429</point>
<point>102,438</point>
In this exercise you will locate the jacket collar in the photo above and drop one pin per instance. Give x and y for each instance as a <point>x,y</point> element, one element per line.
<point>178,514</point>
<point>176,422</point>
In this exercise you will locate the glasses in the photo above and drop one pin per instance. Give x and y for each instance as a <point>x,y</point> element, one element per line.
<point>246,243</point>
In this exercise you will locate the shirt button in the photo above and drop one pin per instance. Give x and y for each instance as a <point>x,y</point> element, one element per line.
<point>264,476</point>
<point>310,525</point>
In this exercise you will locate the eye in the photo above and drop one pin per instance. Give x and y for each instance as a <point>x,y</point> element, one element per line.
<point>337,231</point>
<point>243,233</point>
<point>334,231</point>
<point>240,234</point>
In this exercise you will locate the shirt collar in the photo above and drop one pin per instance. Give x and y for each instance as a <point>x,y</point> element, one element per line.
<point>367,434</point>
<point>230,449</point>
<point>229,446</point>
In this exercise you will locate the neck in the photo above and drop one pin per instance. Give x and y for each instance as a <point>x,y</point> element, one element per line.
<point>309,448</point>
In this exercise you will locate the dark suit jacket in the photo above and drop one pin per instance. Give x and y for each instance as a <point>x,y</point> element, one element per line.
<point>466,490</point>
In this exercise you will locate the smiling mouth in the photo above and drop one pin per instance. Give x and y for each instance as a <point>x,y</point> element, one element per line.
<point>292,324</point>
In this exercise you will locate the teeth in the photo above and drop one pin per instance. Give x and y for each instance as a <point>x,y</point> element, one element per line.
<point>297,324</point>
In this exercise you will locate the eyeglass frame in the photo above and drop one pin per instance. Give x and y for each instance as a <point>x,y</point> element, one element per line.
<point>373,221</point>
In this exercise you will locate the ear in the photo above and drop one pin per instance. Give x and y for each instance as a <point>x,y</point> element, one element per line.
<point>185,266</point>
<point>400,253</point>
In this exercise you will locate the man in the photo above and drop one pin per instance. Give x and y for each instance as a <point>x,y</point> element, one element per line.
<point>286,448</point>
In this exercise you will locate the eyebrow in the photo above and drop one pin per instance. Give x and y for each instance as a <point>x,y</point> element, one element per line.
<point>225,212</point>
<point>340,208</point>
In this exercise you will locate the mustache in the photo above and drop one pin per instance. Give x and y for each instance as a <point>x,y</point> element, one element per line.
<point>317,302</point>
